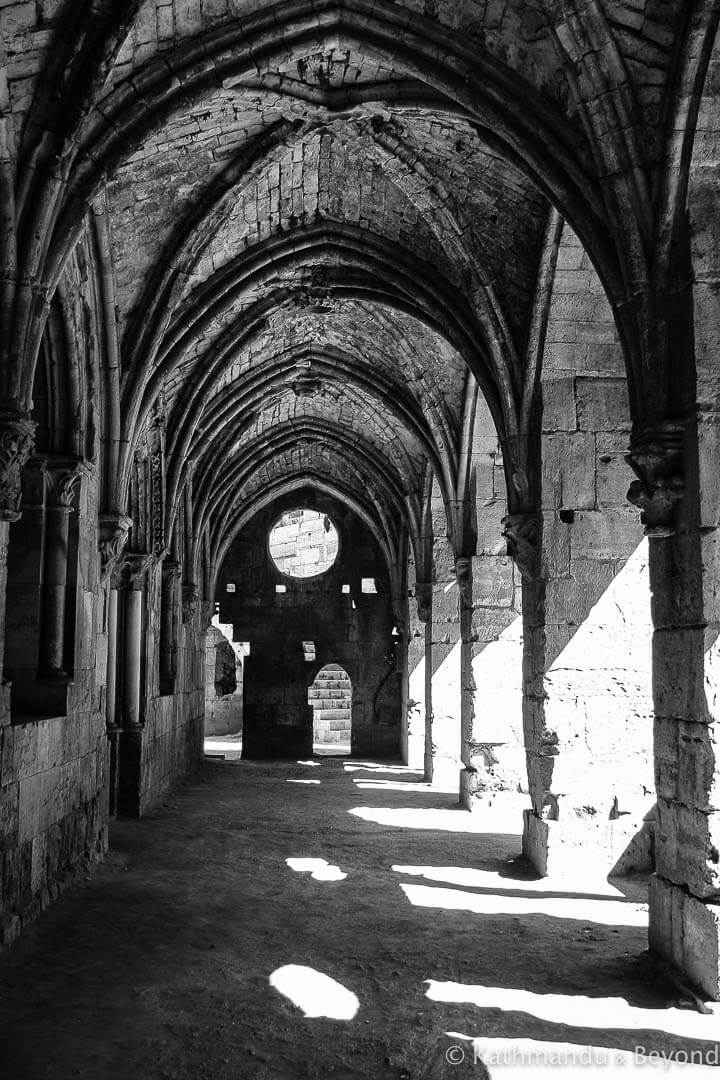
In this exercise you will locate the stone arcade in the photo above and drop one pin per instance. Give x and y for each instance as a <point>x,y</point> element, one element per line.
<point>445,273</point>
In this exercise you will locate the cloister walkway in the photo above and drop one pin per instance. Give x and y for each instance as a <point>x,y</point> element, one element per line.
<point>339,919</point>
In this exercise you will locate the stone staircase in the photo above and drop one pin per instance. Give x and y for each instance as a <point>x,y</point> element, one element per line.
<point>331,697</point>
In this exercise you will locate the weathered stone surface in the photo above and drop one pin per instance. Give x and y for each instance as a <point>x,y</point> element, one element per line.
<point>686,931</point>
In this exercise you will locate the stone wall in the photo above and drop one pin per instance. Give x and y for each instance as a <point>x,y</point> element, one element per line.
<point>588,702</point>
<point>54,767</point>
<point>344,626</point>
<point>495,644</point>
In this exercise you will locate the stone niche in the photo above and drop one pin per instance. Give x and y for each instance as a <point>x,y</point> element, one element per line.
<point>297,625</point>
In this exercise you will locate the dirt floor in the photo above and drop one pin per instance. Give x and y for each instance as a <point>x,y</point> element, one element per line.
<point>204,948</point>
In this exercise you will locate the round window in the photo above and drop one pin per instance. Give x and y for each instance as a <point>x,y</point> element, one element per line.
<point>303,543</point>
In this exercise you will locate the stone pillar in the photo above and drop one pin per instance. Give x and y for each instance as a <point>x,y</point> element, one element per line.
<point>113,534</point>
<point>23,614</point>
<point>417,645</point>
<point>463,576</point>
<point>136,567</point>
<point>61,480</point>
<point>130,738</point>
<point>446,666</point>
<point>168,626</point>
<point>16,442</point>
<point>4,535</point>
<point>423,597</point>
<point>684,572</point>
<point>111,718</point>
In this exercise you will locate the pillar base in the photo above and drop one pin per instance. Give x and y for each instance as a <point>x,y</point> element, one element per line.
<point>686,931</point>
<point>593,847</point>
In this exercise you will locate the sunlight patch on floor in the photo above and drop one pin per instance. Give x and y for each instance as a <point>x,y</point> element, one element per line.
<point>319,869</point>
<point>316,994</point>
<point>577,1010</point>
<point>310,764</point>
<point>304,781</point>
<point>603,912</point>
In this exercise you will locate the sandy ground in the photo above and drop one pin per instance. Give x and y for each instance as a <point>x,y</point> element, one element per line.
<point>206,948</point>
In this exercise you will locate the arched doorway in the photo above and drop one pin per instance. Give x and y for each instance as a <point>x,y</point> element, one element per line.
<point>331,699</point>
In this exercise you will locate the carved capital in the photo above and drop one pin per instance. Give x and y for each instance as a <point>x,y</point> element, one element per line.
<point>423,596</point>
<point>463,574</point>
<point>17,434</point>
<point>135,566</point>
<point>171,573</point>
<point>112,538</point>
<point>189,601</point>
<point>522,533</point>
<point>656,456</point>
<point>61,478</point>
<point>207,610</point>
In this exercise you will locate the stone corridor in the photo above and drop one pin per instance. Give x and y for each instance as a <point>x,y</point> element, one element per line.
<point>159,965</point>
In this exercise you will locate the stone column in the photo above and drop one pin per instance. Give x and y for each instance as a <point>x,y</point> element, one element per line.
<point>417,712</point>
<point>168,626</point>
<point>23,614</point>
<point>446,666</point>
<point>113,534</point>
<point>463,576</point>
<point>682,521</point>
<point>62,478</point>
<point>136,567</point>
<point>16,442</point>
<point>423,597</point>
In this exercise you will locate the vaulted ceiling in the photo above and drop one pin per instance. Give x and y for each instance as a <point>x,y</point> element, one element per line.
<point>326,224</point>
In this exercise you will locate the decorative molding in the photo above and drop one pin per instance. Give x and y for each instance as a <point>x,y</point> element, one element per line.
<point>171,573</point>
<point>190,598</point>
<point>156,484</point>
<point>112,538</point>
<point>463,574</point>
<point>423,596</point>
<point>656,456</point>
<point>17,436</point>
<point>207,610</point>
<point>522,533</point>
<point>135,566</point>
<point>62,477</point>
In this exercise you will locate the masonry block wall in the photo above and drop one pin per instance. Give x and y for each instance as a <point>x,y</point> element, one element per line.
<point>685,570</point>
<point>53,764</point>
<point>418,671</point>
<point>496,645</point>
<point>588,704</point>
<point>352,628</point>
<point>443,753</point>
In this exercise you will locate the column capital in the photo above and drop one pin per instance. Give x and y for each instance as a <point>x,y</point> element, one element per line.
<point>61,477</point>
<point>171,571</point>
<point>190,598</point>
<point>17,436</point>
<point>463,575</point>
<point>134,567</point>
<point>423,596</point>
<point>522,533</point>
<point>207,610</point>
<point>656,456</point>
<point>112,538</point>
